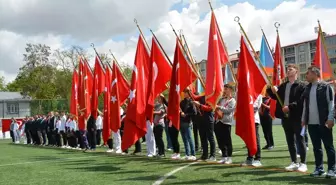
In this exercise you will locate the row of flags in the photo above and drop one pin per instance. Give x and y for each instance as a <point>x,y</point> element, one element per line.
<point>153,71</point>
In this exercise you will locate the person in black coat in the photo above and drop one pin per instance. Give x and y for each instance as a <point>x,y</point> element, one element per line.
<point>92,132</point>
<point>290,93</point>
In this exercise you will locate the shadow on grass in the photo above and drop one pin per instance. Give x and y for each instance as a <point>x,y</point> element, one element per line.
<point>204,181</point>
<point>95,168</point>
<point>151,178</point>
<point>294,179</point>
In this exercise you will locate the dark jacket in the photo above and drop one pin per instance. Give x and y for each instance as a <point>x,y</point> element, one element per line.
<point>91,124</point>
<point>51,123</point>
<point>322,101</point>
<point>295,101</point>
<point>188,109</point>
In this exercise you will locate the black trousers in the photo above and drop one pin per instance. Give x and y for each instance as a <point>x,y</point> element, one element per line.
<point>206,135</point>
<point>39,140</point>
<point>72,139</point>
<point>121,134</point>
<point>44,137</point>
<point>99,132</point>
<point>58,139</point>
<point>293,137</point>
<point>257,156</point>
<point>223,136</point>
<point>317,134</point>
<point>12,136</point>
<point>137,146</point>
<point>267,127</point>
<point>80,140</point>
<point>64,137</point>
<point>158,132</point>
<point>196,125</point>
<point>29,137</point>
<point>173,133</point>
<point>92,137</point>
<point>110,143</point>
<point>34,136</point>
<point>51,137</point>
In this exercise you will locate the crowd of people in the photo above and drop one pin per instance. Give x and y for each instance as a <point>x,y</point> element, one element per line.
<point>302,107</point>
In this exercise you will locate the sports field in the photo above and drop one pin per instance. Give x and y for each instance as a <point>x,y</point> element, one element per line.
<point>22,164</point>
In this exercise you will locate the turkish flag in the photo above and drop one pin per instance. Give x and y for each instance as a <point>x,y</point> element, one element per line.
<point>98,85</point>
<point>250,84</point>
<point>115,100</point>
<point>217,57</point>
<point>123,86</point>
<point>135,122</point>
<point>84,101</point>
<point>74,94</point>
<point>181,68</point>
<point>321,59</point>
<point>159,74</point>
<point>278,73</point>
<point>107,112</point>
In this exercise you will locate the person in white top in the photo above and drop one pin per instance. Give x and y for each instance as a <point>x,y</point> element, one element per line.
<point>99,124</point>
<point>249,160</point>
<point>117,137</point>
<point>58,126</point>
<point>14,128</point>
<point>62,129</point>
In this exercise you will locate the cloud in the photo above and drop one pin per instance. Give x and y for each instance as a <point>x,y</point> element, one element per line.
<point>95,20</point>
<point>12,47</point>
<point>57,22</point>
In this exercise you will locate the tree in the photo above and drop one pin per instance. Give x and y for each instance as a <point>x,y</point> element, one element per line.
<point>2,84</point>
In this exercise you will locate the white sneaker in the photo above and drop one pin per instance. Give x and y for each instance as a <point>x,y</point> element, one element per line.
<point>228,160</point>
<point>256,163</point>
<point>212,159</point>
<point>223,160</point>
<point>330,174</point>
<point>292,167</point>
<point>176,156</point>
<point>173,155</point>
<point>150,155</point>
<point>118,152</point>
<point>302,168</point>
<point>191,158</point>
<point>109,151</point>
<point>185,157</point>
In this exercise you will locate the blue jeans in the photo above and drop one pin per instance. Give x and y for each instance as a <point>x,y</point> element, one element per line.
<point>189,145</point>
<point>169,143</point>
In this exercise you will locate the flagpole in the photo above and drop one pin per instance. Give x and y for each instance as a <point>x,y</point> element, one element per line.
<point>116,61</point>
<point>325,48</point>
<point>160,46</point>
<point>220,34</point>
<point>142,35</point>
<point>192,64</point>
<point>92,45</point>
<point>237,19</point>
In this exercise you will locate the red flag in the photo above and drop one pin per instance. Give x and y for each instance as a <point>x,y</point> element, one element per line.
<point>278,72</point>
<point>135,121</point>
<point>107,112</point>
<point>180,68</point>
<point>98,85</point>
<point>84,101</point>
<point>123,86</point>
<point>74,94</point>
<point>159,75</point>
<point>115,100</point>
<point>217,58</point>
<point>249,82</point>
<point>321,59</point>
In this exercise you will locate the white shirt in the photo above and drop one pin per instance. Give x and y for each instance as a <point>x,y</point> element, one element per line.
<point>73,125</point>
<point>256,105</point>
<point>121,111</point>
<point>58,125</point>
<point>63,121</point>
<point>99,122</point>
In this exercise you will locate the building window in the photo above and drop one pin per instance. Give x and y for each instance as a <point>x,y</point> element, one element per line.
<point>302,58</point>
<point>12,108</point>
<point>331,52</point>
<point>303,76</point>
<point>290,60</point>
<point>331,40</point>
<point>302,48</point>
<point>289,50</point>
<point>312,45</point>
<point>302,67</point>
<point>333,60</point>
